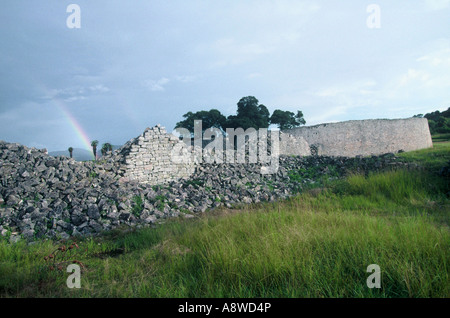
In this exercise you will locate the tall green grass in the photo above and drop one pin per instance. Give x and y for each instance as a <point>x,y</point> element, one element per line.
<point>317,244</point>
<point>432,158</point>
<point>403,192</point>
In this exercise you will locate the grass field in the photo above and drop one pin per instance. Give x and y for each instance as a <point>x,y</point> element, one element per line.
<point>317,244</point>
<point>433,158</point>
<point>441,137</point>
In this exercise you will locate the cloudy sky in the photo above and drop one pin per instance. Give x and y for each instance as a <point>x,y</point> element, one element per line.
<point>134,64</point>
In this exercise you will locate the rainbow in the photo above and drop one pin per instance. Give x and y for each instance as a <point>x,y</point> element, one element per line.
<point>74,124</point>
<point>72,121</point>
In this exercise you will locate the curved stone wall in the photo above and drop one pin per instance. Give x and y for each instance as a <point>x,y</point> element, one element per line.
<point>366,137</point>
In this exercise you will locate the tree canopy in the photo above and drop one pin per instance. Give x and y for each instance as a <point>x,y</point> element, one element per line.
<point>287,119</point>
<point>94,144</point>
<point>439,122</point>
<point>250,113</point>
<point>105,148</point>
<point>210,119</point>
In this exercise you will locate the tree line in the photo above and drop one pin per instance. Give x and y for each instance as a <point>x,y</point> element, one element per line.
<point>105,148</point>
<point>439,122</point>
<point>250,114</point>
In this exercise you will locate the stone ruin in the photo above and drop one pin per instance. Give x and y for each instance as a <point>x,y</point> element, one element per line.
<point>366,137</point>
<point>143,183</point>
<point>149,158</point>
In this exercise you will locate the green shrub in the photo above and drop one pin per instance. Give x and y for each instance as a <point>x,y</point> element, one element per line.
<point>138,206</point>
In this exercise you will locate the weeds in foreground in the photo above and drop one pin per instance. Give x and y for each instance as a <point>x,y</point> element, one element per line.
<point>61,257</point>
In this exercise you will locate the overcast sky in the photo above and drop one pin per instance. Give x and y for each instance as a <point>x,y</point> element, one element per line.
<point>134,64</point>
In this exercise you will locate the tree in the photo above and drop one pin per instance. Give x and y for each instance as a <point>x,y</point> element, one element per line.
<point>299,119</point>
<point>105,148</point>
<point>432,125</point>
<point>286,119</point>
<point>210,119</point>
<point>439,122</point>
<point>94,148</point>
<point>70,151</point>
<point>249,114</point>
<point>239,122</point>
<point>264,117</point>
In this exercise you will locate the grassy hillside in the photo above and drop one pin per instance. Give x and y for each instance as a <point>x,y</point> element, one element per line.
<point>317,244</point>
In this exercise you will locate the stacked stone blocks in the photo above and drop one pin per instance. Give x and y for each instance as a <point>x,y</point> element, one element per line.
<point>150,158</point>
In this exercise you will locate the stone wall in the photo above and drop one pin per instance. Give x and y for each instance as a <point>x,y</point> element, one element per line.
<point>57,197</point>
<point>293,145</point>
<point>256,143</point>
<point>366,137</point>
<point>157,157</point>
<point>148,158</point>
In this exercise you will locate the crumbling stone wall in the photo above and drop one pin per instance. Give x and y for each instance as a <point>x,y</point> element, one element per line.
<point>148,158</point>
<point>47,197</point>
<point>256,143</point>
<point>366,137</point>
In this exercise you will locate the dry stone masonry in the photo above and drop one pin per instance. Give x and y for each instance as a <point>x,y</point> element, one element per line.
<point>157,157</point>
<point>366,137</point>
<point>148,158</point>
